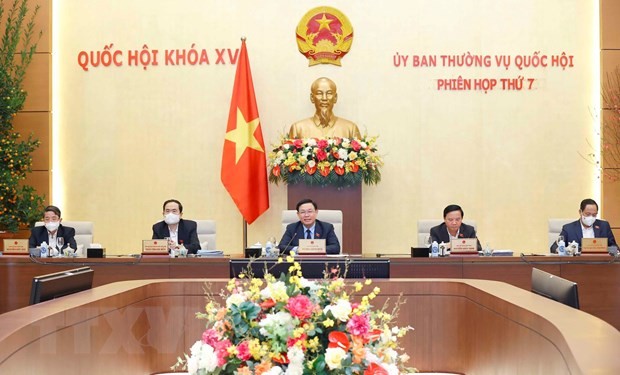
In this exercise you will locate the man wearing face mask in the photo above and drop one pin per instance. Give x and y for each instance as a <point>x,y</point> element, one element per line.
<point>588,226</point>
<point>52,230</point>
<point>177,229</point>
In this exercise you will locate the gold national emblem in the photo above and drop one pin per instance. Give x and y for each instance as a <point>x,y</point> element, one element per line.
<point>324,35</point>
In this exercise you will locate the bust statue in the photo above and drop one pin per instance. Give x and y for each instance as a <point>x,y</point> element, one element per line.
<point>324,124</point>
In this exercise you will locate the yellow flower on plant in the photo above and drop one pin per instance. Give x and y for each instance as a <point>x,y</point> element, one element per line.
<point>368,281</point>
<point>358,286</point>
<point>328,323</point>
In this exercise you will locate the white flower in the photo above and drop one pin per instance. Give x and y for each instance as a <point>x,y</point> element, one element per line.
<point>346,143</point>
<point>392,369</point>
<point>235,299</point>
<point>343,154</point>
<point>363,144</point>
<point>311,142</point>
<point>370,356</point>
<point>276,290</point>
<point>389,355</point>
<point>276,370</point>
<point>286,146</point>
<point>311,163</point>
<point>341,310</point>
<point>202,358</point>
<point>334,357</point>
<point>280,324</point>
<point>307,151</point>
<point>296,361</point>
<point>340,163</point>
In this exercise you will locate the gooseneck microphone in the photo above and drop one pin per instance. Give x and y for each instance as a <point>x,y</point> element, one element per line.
<point>286,249</point>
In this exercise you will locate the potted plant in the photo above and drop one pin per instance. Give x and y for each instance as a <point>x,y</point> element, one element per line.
<point>20,205</point>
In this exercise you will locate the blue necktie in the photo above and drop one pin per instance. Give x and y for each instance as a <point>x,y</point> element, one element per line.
<point>308,234</point>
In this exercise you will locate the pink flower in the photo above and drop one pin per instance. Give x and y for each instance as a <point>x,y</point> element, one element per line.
<point>359,325</point>
<point>210,337</point>
<point>300,306</point>
<point>298,143</point>
<point>355,145</point>
<point>243,351</point>
<point>221,351</point>
<point>322,144</point>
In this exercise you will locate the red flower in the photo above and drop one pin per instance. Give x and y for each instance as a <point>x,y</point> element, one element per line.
<point>243,350</point>
<point>281,358</point>
<point>374,335</point>
<point>339,170</point>
<point>324,171</point>
<point>354,167</point>
<point>310,170</point>
<point>322,143</point>
<point>339,339</point>
<point>355,145</point>
<point>292,341</point>
<point>298,143</point>
<point>267,304</point>
<point>292,167</point>
<point>275,171</point>
<point>375,369</point>
<point>321,155</point>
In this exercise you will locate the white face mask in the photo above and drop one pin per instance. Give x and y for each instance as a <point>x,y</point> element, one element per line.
<point>52,225</point>
<point>172,219</point>
<point>588,220</point>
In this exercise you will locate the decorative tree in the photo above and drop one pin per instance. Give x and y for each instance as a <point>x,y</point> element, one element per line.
<point>610,145</point>
<point>19,203</point>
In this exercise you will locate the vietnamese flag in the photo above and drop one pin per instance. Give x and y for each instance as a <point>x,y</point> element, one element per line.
<point>244,167</point>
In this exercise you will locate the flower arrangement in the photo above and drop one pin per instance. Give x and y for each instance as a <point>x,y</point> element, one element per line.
<point>296,326</point>
<point>334,161</point>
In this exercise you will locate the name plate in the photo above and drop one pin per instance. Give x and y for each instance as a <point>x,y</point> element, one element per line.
<point>594,245</point>
<point>154,247</point>
<point>16,247</point>
<point>464,246</point>
<point>311,246</point>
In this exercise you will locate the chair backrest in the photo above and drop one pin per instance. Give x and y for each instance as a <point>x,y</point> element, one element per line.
<point>206,233</point>
<point>425,225</point>
<point>84,231</point>
<point>333,217</point>
<point>555,228</point>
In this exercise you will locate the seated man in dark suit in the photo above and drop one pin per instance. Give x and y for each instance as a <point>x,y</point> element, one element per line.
<point>587,226</point>
<point>453,227</point>
<point>176,229</point>
<point>51,231</point>
<point>309,227</point>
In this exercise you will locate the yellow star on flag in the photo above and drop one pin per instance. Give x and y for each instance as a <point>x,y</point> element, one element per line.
<point>243,135</point>
<point>324,23</point>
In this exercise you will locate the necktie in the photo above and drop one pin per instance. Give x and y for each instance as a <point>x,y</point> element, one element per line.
<point>308,234</point>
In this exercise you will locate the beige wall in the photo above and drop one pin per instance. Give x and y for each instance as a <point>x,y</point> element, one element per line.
<point>128,138</point>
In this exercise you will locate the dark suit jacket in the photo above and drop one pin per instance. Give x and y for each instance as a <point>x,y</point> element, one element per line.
<point>440,233</point>
<point>186,232</point>
<point>295,231</point>
<point>38,235</point>
<point>572,232</point>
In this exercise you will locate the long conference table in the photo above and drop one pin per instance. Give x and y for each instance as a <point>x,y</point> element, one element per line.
<point>598,276</point>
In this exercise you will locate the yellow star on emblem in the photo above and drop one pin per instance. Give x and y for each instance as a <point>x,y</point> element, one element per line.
<point>243,135</point>
<point>324,23</point>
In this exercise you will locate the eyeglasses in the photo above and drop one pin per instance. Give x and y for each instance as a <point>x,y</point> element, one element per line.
<point>303,213</point>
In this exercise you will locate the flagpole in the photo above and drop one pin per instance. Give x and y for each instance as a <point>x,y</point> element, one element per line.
<point>245,235</point>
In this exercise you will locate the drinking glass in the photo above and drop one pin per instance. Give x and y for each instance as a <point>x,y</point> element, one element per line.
<point>60,243</point>
<point>560,238</point>
<point>429,241</point>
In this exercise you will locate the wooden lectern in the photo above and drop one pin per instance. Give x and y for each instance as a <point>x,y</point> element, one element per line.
<point>348,200</point>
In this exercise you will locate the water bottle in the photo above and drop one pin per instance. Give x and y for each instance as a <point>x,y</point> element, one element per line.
<point>561,248</point>
<point>434,250</point>
<point>269,249</point>
<point>182,250</point>
<point>44,253</point>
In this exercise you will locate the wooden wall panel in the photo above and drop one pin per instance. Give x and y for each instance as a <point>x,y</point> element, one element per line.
<point>42,182</point>
<point>610,27</point>
<point>38,83</point>
<point>39,124</point>
<point>43,24</point>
